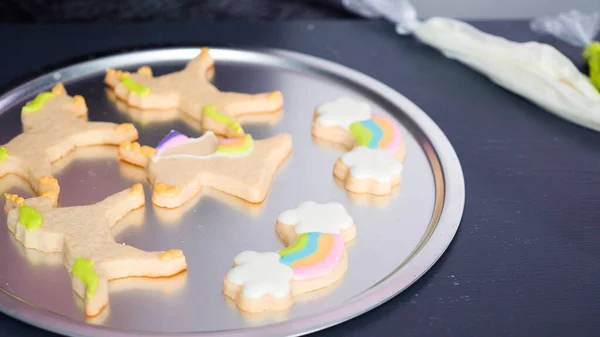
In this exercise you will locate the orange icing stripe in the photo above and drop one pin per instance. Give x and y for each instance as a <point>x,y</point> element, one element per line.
<point>387,128</point>
<point>325,245</point>
<point>234,144</point>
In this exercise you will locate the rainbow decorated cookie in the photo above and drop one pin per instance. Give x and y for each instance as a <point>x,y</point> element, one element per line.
<point>377,149</point>
<point>315,259</point>
<point>309,216</point>
<point>190,91</point>
<point>54,124</point>
<point>367,170</point>
<point>379,132</point>
<point>179,167</point>
<point>83,236</point>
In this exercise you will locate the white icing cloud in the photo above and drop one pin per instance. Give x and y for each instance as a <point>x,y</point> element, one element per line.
<point>261,274</point>
<point>312,217</point>
<point>377,164</point>
<point>343,112</point>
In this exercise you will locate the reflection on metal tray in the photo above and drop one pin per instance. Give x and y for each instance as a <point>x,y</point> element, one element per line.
<point>399,237</point>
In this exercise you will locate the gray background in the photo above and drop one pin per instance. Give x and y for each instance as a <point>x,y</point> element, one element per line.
<point>500,9</point>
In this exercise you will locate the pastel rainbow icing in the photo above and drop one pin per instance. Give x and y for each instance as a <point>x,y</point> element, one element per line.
<point>171,140</point>
<point>313,254</point>
<point>235,146</point>
<point>377,133</point>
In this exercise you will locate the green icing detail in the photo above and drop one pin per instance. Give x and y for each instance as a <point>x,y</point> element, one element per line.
<point>300,243</point>
<point>361,133</point>
<point>248,143</point>
<point>592,55</point>
<point>30,218</point>
<point>3,153</point>
<point>37,103</point>
<point>135,87</point>
<point>84,269</point>
<point>211,111</point>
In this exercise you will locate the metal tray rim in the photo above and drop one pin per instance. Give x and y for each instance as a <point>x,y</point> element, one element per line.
<point>422,259</point>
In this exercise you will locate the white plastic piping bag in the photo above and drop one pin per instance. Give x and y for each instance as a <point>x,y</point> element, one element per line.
<point>573,27</point>
<point>535,71</point>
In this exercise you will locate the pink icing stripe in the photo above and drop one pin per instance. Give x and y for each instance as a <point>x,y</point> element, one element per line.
<point>173,142</point>
<point>326,266</point>
<point>228,140</point>
<point>396,142</point>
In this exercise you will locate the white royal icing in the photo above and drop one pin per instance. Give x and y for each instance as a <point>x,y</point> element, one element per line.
<point>377,164</point>
<point>312,217</point>
<point>343,112</point>
<point>261,274</point>
<point>538,72</point>
<point>208,134</point>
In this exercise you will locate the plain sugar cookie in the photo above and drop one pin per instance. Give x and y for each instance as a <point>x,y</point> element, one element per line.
<point>259,282</point>
<point>309,216</point>
<point>366,170</point>
<point>332,120</point>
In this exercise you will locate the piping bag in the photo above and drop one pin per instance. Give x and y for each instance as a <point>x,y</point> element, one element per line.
<point>535,71</point>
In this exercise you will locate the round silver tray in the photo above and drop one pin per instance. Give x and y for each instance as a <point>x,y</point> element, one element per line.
<point>399,237</point>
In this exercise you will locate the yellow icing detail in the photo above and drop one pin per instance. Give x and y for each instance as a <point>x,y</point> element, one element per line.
<point>145,70</point>
<point>134,86</point>
<point>30,218</point>
<point>79,100</point>
<point>275,95</point>
<point>3,153</point>
<point>166,190</point>
<point>137,189</point>
<point>84,269</point>
<point>124,127</point>
<point>14,198</point>
<point>120,73</point>
<point>52,195</point>
<point>170,254</point>
<point>125,145</point>
<point>38,102</point>
<point>148,151</point>
<point>211,111</point>
<point>52,182</point>
<point>59,89</point>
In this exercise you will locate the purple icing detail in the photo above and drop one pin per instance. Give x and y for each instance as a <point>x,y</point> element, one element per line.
<point>171,140</point>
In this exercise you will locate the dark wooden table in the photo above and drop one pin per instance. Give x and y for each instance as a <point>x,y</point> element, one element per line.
<point>526,260</point>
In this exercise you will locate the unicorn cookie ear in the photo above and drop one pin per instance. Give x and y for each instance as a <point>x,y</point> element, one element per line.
<point>59,89</point>
<point>202,63</point>
<point>14,201</point>
<point>78,107</point>
<point>52,107</point>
